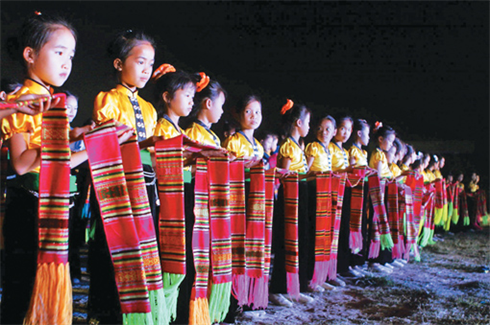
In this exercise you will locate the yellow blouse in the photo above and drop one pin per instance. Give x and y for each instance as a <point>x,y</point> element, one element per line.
<point>115,104</point>
<point>428,176</point>
<point>395,170</point>
<point>473,187</point>
<point>340,157</point>
<point>359,155</point>
<point>239,145</point>
<point>379,156</point>
<point>167,129</point>
<point>437,174</point>
<point>201,134</point>
<point>29,126</point>
<point>405,167</point>
<point>322,161</point>
<point>289,149</point>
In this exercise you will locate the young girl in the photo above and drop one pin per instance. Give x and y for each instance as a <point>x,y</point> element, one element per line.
<point>318,155</point>
<point>296,123</point>
<point>392,157</point>
<point>358,156</point>
<point>48,48</point>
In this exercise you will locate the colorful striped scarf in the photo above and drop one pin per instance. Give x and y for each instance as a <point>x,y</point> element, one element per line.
<point>270,180</point>
<point>322,229</point>
<point>438,202</point>
<point>143,220</point>
<point>199,307</point>
<point>426,232</point>
<point>51,300</point>
<point>380,232</point>
<point>392,209</point>
<point>238,231</point>
<point>338,187</point>
<point>220,224</point>
<point>122,237</point>
<point>356,181</point>
<point>463,208</point>
<point>411,230</point>
<point>255,239</point>
<point>3,184</point>
<point>291,192</point>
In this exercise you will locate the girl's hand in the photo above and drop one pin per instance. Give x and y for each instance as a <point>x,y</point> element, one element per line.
<point>208,153</point>
<point>77,133</point>
<point>124,136</point>
<point>45,103</point>
<point>251,162</point>
<point>150,141</point>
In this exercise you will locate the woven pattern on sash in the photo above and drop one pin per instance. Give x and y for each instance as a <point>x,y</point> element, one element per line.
<point>291,192</point>
<point>269,212</point>
<point>356,181</point>
<point>411,229</point>
<point>394,219</point>
<point>51,300</point>
<point>238,230</point>
<point>115,207</point>
<point>323,219</point>
<point>380,225</point>
<point>338,187</point>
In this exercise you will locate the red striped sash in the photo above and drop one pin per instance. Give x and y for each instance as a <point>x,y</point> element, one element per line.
<point>338,187</point>
<point>380,225</point>
<point>392,208</point>
<point>356,181</point>
<point>291,191</point>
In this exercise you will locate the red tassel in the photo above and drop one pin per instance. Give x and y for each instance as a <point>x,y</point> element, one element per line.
<point>293,285</point>
<point>374,249</point>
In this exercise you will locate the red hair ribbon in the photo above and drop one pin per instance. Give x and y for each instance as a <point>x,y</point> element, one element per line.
<point>378,125</point>
<point>163,69</point>
<point>203,82</point>
<point>287,106</point>
<point>37,13</point>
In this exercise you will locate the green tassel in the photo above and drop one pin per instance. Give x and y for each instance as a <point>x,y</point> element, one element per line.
<point>447,225</point>
<point>431,241</point>
<point>484,220</point>
<point>386,241</point>
<point>137,319</point>
<point>455,216</point>
<point>171,283</point>
<point>219,301</point>
<point>466,221</point>
<point>159,310</point>
<point>424,239</point>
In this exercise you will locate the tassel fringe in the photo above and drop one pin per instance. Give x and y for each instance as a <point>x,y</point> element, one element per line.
<point>386,242</point>
<point>258,292</point>
<point>355,241</point>
<point>219,301</point>
<point>240,289</point>
<point>320,274</point>
<point>171,283</point>
<point>137,319</point>
<point>374,249</point>
<point>293,285</point>
<point>199,312</point>
<point>159,310</point>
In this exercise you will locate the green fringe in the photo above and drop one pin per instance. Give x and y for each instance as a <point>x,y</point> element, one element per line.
<point>466,221</point>
<point>386,242</point>
<point>405,224</point>
<point>424,238</point>
<point>485,220</point>
<point>219,301</point>
<point>137,319</point>
<point>159,310</point>
<point>431,236</point>
<point>444,214</point>
<point>447,225</point>
<point>455,216</point>
<point>171,283</point>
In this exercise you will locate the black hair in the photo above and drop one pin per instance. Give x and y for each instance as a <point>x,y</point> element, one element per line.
<point>383,132</point>
<point>408,154</point>
<point>37,29</point>
<point>398,146</point>
<point>125,41</point>
<point>345,118</point>
<point>211,91</point>
<point>242,103</point>
<point>416,164</point>
<point>170,83</point>
<point>359,125</point>
<point>267,134</point>
<point>297,112</point>
<point>431,163</point>
<point>328,117</point>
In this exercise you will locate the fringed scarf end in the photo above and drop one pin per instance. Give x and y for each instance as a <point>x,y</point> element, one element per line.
<point>293,285</point>
<point>199,312</point>
<point>219,301</point>
<point>355,241</point>
<point>240,288</point>
<point>374,249</point>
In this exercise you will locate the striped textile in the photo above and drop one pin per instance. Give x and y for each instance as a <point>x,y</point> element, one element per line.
<point>438,201</point>
<point>238,231</point>
<point>199,312</point>
<point>338,187</point>
<point>392,209</point>
<point>51,300</point>
<point>291,191</point>
<point>380,219</point>
<point>143,220</point>
<point>355,180</point>
<point>411,229</point>
<point>115,207</point>
<point>463,208</point>
<point>323,220</point>
<point>220,225</point>
<point>425,232</point>
<point>3,184</point>
<point>270,180</point>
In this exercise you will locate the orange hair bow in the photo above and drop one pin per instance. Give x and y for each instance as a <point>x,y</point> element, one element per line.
<point>377,125</point>
<point>287,106</point>
<point>203,82</point>
<point>163,69</point>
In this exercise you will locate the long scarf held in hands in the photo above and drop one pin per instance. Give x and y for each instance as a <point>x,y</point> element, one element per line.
<point>392,209</point>
<point>143,220</point>
<point>323,221</point>
<point>170,175</point>
<point>481,208</point>
<point>255,240</point>
<point>356,181</point>
<point>380,231</point>
<point>199,306</point>
<point>450,205</point>
<point>411,230</point>
<point>270,180</point>
<point>238,229</point>
<point>51,300</point>
<point>338,187</point>
<point>415,183</point>
<point>445,205</point>
<point>122,236</point>
<point>426,233</point>
<point>456,203</point>
<point>291,192</point>
<point>220,224</point>
<point>438,202</point>
<point>463,208</point>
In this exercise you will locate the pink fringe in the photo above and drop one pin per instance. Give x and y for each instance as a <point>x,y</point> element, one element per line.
<point>406,254</point>
<point>332,268</point>
<point>319,274</point>
<point>293,285</point>
<point>374,249</point>
<point>239,288</point>
<point>355,241</point>
<point>258,294</point>
<point>397,251</point>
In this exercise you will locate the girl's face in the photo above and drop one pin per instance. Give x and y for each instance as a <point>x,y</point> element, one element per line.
<point>363,136</point>
<point>304,126</point>
<point>51,65</point>
<point>390,155</point>
<point>275,140</point>
<point>251,116</point>
<point>137,67</point>
<point>71,107</point>
<point>344,131</point>
<point>325,131</point>
<point>385,143</point>
<point>182,101</point>
<point>460,177</point>
<point>441,163</point>
<point>450,178</point>
<point>216,108</point>
<point>267,143</point>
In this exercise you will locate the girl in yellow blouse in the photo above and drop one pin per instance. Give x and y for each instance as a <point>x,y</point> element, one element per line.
<point>340,156</point>
<point>358,156</point>
<point>385,136</point>
<point>248,112</point>
<point>318,155</point>
<point>408,158</point>
<point>392,156</point>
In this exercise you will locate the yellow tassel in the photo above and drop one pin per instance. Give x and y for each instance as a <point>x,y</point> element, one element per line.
<point>199,312</point>
<point>52,299</point>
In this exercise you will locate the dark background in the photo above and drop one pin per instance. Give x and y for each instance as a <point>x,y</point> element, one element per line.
<point>421,67</point>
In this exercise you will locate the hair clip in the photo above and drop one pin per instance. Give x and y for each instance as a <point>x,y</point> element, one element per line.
<point>378,125</point>
<point>163,69</point>
<point>203,82</point>
<point>289,104</point>
<point>37,13</point>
